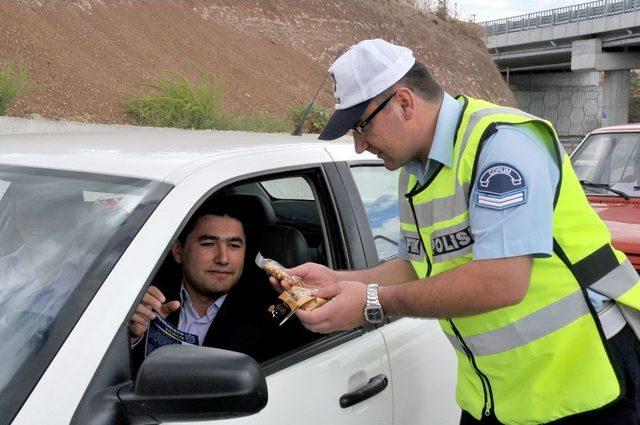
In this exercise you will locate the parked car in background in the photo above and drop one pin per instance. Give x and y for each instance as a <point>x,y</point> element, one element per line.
<point>86,225</point>
<point>607,163</point>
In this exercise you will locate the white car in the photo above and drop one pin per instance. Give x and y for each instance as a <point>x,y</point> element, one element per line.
<point>86,223</point>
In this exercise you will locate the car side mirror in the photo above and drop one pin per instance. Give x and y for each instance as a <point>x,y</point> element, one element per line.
<point>181,382</point>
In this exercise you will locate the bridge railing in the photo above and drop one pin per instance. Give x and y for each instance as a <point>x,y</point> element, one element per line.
<point>562,15</point>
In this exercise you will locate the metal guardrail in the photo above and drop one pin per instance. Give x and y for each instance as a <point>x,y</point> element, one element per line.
<point>562,15</point>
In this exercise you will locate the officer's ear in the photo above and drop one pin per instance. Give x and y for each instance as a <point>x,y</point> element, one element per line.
<point>407,101</point>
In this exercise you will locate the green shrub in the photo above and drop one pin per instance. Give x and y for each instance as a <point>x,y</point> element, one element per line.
<point>14,81</point>
<point>176,102</point>
<point>316,120</point>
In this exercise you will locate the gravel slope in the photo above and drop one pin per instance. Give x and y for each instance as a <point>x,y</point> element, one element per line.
<point>88,55</point>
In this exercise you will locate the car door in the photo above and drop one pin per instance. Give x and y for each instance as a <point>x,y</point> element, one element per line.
<point>306,385</point>
<point>423,362</point>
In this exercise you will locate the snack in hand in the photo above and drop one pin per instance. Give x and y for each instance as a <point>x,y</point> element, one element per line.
<point>294,298</point>
<point>276,270</point>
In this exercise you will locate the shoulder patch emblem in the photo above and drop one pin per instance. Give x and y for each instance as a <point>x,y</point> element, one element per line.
<point>500,186</point>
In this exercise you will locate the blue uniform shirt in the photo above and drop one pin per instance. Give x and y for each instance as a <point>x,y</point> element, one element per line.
<point>511,200</point>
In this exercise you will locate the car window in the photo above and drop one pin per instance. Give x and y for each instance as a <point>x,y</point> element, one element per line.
<point>378,189</point>
<point>285,218</point>
<point>288,188</point>
<point>54,229</point>
<point>612,159</point>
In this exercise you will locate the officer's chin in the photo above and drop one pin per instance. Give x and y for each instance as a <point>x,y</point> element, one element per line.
<point>391,165</point>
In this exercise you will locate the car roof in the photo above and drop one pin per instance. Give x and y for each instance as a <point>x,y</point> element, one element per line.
<point>618,129</point>
<point>150,153</point>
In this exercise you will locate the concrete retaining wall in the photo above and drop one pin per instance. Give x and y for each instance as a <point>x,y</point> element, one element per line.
<point>571,101</point>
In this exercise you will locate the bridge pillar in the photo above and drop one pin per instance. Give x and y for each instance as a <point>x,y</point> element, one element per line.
<point>587,55</point>
<point>615,97</point>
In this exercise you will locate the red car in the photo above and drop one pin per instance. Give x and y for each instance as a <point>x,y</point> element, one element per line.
<point>607,163</point>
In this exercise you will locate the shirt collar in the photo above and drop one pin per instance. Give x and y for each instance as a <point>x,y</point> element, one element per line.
<point>442,146</point>
<point>185,300</point>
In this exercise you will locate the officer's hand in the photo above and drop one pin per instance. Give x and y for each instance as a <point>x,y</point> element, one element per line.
<point>344,311</point>
<point>152,300</point>
<point>313,276</point>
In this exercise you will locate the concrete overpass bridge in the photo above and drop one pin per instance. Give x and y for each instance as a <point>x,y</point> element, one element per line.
<point>572,64</point>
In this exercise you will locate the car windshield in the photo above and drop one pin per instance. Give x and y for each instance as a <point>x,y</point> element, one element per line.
<point>611,160</point>
<point>54,228</point>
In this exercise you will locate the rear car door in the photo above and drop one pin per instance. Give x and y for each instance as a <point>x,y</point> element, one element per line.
<point>423,363</point>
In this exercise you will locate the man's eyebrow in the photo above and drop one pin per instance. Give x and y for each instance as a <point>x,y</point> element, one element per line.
<point>217,238</point>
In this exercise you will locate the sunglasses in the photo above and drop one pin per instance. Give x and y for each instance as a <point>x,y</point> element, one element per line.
<point>360,128</point>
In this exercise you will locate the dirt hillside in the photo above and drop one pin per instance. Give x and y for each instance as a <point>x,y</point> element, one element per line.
<point>88,55</point>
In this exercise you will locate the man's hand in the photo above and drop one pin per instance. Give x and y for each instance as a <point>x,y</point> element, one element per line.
<point>344,311</point>
<point>152,300</point>
<point>313,276</point>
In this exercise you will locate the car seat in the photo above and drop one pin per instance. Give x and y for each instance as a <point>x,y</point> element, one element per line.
<point>256,208</point>
<point>282,243</point>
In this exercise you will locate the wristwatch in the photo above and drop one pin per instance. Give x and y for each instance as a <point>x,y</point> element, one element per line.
<point>373,310</point>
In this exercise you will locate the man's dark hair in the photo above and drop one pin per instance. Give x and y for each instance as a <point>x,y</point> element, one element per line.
<point>218,206</point>
<point>420,81</point>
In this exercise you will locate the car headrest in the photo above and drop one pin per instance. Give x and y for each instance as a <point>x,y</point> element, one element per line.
<point>255,205</point>
<point>284,244</point>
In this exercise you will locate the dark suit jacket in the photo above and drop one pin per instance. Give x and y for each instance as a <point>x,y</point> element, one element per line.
<point>243,323</point>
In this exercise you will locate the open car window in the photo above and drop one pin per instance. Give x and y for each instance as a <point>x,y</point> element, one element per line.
<point>289,218</point>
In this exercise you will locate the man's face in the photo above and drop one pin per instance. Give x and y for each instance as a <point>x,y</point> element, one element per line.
<point>385,135</point>
<point>212,257</point>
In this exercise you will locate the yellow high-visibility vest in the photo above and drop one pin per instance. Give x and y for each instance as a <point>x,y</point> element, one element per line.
<point>544,358</point>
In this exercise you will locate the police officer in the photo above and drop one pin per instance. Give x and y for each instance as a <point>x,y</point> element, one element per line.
<point>498,242</point>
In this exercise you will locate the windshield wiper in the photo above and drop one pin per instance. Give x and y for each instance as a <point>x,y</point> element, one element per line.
<point>604,186</point>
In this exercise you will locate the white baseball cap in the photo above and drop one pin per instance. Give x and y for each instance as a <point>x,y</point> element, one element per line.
<point>360,74</point>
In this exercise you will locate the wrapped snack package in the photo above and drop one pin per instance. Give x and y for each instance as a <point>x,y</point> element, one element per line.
<point>296,297</point>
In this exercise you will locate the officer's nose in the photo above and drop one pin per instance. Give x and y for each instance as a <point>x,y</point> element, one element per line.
<point>360,142</point>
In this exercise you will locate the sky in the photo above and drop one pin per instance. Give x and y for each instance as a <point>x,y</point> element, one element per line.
<point>486,10</point>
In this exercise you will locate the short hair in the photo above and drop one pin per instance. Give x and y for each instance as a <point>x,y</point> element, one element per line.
<point>218,206</point>
<point>420,81</point>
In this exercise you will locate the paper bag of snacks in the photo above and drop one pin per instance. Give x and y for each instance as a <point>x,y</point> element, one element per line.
<point>292,299</point>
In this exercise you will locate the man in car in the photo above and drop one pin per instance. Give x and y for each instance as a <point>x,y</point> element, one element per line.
<point>219,299</point>
<point>498,242</point>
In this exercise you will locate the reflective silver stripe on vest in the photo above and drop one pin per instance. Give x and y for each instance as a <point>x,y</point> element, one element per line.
<point>528,329</point>
<point>454,342</point>
<point>618,281</point>
<point>611,319</point>
<point>437,210</point>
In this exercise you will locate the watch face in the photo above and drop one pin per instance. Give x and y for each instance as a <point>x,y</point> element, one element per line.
<point>373,314</point>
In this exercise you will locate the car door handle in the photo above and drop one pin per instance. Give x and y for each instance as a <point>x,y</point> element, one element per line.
<point>375,385</point>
